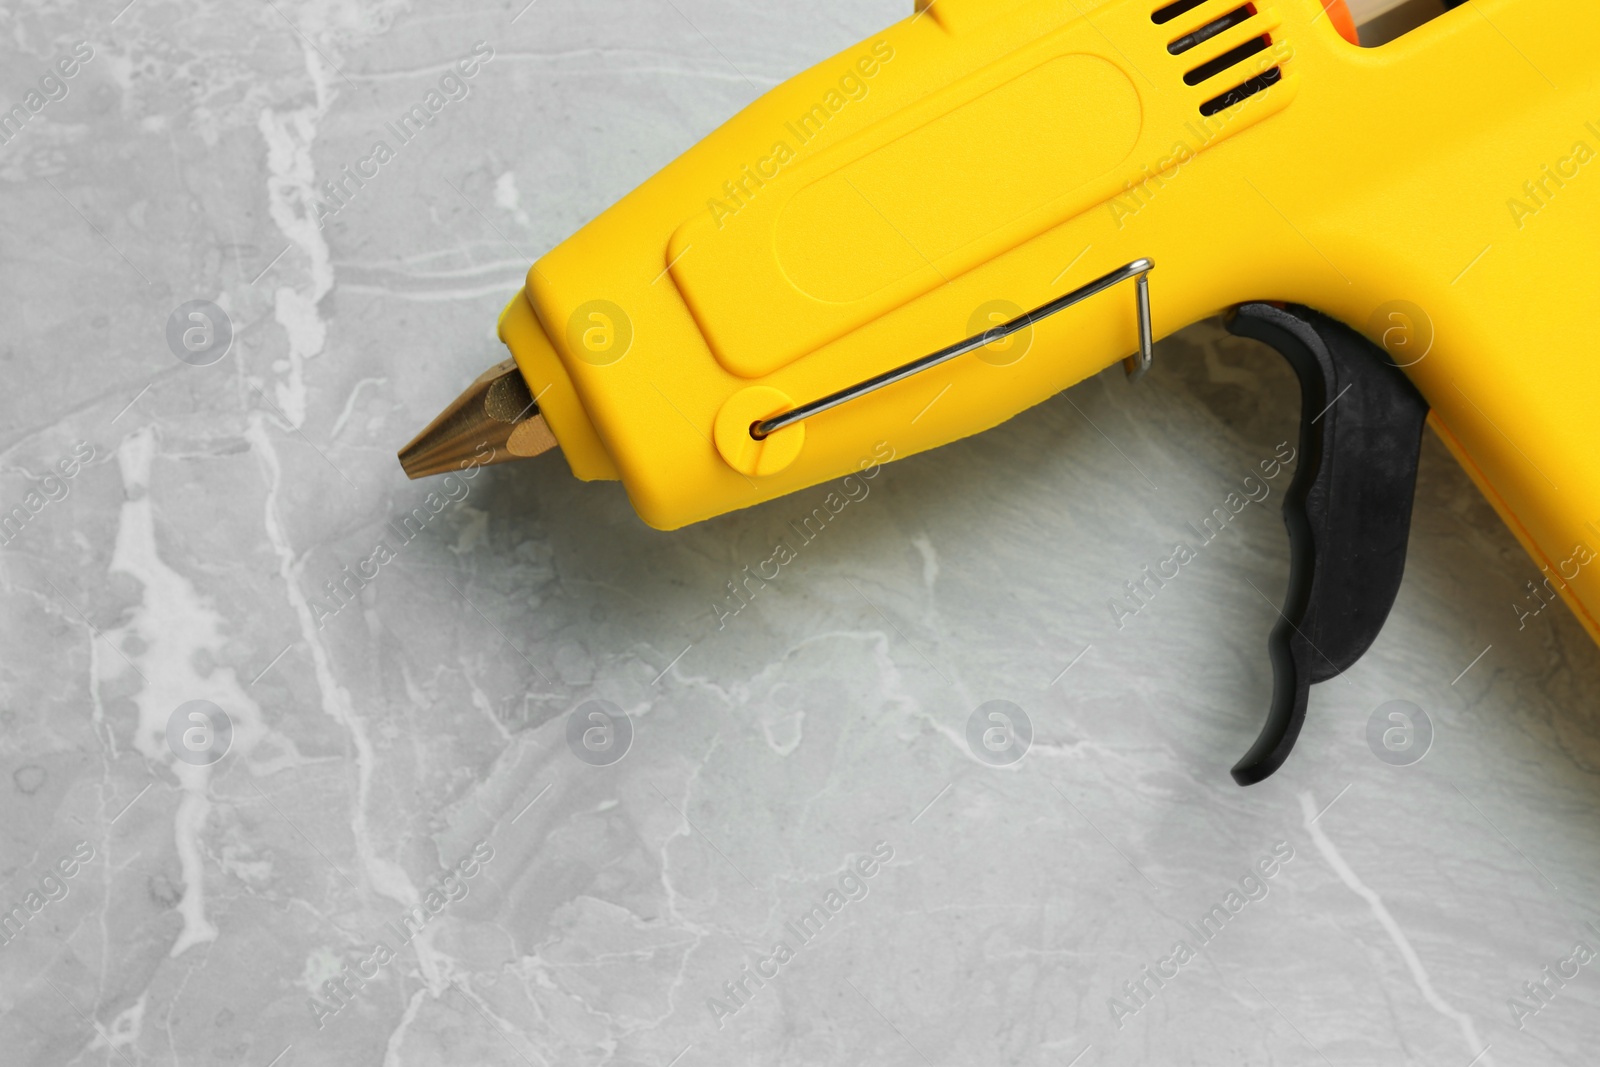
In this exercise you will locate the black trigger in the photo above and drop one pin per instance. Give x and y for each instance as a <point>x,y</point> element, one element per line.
<point>1348,509</point>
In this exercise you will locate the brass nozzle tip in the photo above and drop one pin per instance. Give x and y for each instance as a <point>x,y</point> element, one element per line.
<point>494,421</point>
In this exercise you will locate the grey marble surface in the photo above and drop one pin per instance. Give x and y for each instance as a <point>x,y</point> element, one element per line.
<point>176,912</point>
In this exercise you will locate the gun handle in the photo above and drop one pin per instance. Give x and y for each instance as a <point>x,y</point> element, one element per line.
<point>1348,509</point>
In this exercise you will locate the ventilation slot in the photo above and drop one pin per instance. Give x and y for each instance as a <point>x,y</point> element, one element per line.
<point>1211,29</point>
<point>1232,58</point>
<point>1261,81</point>
<point>1211,68</point>
<point>1172,11</point>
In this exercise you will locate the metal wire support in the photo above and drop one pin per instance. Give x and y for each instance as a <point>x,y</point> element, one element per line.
<point>1135,365</point>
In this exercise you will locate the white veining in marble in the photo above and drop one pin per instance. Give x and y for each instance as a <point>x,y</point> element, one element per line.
<point>388,740</point>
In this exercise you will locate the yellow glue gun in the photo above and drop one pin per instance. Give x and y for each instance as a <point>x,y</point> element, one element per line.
<point>817,274</point>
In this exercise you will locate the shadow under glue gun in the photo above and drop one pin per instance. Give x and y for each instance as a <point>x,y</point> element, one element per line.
<point>802,282</point>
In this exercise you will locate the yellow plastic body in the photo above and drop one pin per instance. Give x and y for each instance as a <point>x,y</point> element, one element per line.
<point>862,213</point>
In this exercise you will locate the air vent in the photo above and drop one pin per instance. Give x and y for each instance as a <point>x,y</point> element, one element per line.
<point>1231,58</point>
<point>1172,11</point>
<point>1231,66</point>
<point>1242,91</point>
<point>1211,29</point>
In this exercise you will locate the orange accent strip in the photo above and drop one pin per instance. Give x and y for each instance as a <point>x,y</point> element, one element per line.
<point>1339,15</point>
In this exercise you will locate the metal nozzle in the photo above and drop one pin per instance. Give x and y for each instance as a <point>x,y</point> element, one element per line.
<point>496,410</point>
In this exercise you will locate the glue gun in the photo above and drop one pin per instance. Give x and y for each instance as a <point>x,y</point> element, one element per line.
<point>1415,227</point>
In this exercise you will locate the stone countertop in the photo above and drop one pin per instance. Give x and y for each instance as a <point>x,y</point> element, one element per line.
<point>413,853</point>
